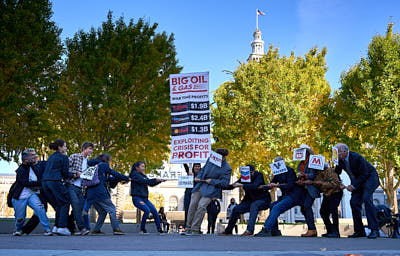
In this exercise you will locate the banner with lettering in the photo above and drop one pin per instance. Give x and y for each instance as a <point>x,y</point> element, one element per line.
<point>190,118</point>
<point>316,162</point>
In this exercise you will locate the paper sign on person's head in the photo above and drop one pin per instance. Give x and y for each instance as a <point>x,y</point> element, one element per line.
<point>299,154</point>
<point>185,181</point>
<point>316,162</point>
<point>215,158</point>
<point>245,174</point>
<point>335,155</point>
<point>278,167</point>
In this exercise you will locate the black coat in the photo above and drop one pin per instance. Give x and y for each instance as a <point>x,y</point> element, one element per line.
<point>251,191</point>
<point>22,179</point>
<point>140,183</point>
<point>360,168</point>
<point>287,184</point>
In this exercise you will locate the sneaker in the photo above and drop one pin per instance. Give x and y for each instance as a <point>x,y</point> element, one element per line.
<point>196,233</point>
<point>118,232</point>
<point>186,233</point>
<point>247,233</point>
<point>63,232</point>
<point>17,233</point>
<point>48,233</point>
<point>97,232</point>
<point>162,232</point>
<point>84,232</point>
<point>143,232</point>
<point>276,232</point>
<point>263,233</point>
<point>54,230</point>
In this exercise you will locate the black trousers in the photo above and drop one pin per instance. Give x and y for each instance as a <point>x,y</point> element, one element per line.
<point>329,207</point>
<point>212,219</point>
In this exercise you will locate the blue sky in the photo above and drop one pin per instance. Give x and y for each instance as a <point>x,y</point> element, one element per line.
<point>214,35</point>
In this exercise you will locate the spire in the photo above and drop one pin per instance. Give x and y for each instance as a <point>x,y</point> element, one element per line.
<point>257,47</point>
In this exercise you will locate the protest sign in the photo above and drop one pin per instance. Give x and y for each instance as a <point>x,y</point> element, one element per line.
<point>335,155</point>
<point>185,181</point>
<point>299,154</point>
<point>316,162</point>
<point>216,158</point>
<point>190,118</point>
<point>245,174</point>
<point>278,167</point>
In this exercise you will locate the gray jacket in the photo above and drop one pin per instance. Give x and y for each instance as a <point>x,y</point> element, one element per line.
<point>220,178</point>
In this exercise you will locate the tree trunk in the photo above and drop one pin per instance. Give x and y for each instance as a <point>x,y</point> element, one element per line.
<point>119,203</point>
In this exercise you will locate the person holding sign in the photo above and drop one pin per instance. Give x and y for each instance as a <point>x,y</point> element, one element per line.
<point>140,194</point>
<point>210,182</point>
<point>329,183</point>
<point>188,191</point>
<point>254,200</point>
<point>305,178</point>
<point>364,181</point>
<point>292,195</point>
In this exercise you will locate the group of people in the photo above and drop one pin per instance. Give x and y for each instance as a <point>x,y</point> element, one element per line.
<point>299,189</point>
<point>58,182</point>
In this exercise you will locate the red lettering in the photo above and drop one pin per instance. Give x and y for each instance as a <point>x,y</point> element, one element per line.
<point>180,155</point>
<point>175,154</point>
<point>174,81</point>
<point>316,161</point>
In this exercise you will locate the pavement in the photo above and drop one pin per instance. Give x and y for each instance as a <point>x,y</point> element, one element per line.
<point>177,245</point>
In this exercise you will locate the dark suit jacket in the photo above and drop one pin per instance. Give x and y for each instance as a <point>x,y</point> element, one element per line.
<point>251,191</point>
<point>360,168</point>
<point>287,184</point>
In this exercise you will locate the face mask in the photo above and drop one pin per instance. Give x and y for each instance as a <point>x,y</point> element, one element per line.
<point>30,162</point>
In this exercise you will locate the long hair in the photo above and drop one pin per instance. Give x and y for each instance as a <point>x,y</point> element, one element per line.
<point>135,165</point>
<point>56,144</point>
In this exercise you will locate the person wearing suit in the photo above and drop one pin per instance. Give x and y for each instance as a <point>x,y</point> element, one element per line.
<point>364,182</point>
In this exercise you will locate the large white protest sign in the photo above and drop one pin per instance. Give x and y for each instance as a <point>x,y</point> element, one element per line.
<point>245,174</point>
<point>166,174</point>
<point>185,181</point>
<point>190,118</point>
<point>278,167</point>
<point>216,158</point>
<point>316,162</point>
<point>335,155</point>
<point>299,154</point>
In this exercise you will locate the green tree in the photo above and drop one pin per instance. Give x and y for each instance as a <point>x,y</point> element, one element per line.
<point>271,107</point>
<point>366,110</point>
<point>30,54</point>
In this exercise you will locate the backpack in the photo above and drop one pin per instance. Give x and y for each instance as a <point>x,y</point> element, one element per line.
<point>90,176</point>
<point>11,194</point>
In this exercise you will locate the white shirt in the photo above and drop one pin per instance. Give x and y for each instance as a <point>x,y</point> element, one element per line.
<point>78,182</point>
<point>27,192</point>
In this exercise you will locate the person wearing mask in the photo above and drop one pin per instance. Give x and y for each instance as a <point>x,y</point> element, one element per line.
<point>305,178</point>
<point>329,183</point>
<point>188,191</point>
<point>254,200</point>
<point>213,209</point>
<point>77,164</point>
<point>210,182</point>
<point>55,174</point>
<point>292,195</point>
<point>98,196</point>
<point>28,186</point>
<point>229,212</point>
<point>364,182</point>
<point>140,194</point>
<point>163,219</point>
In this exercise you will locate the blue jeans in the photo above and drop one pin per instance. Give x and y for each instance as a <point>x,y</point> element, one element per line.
<point>103,207</point>
<point>277,208</point>
<point>86,208</point>
<point>77,201</point>
<point>146,206</point>
<point>247,206</point>
<point>34,202</point>
<point>57,193</point>
<point>307,210</point>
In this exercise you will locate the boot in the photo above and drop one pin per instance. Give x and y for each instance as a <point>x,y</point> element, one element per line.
<point>310,233</point>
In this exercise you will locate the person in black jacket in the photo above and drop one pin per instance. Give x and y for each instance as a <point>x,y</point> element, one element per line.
<point>213,210</point>
<point>254,200</point>
<point>55,174</point>
<point>27,189</point>
<point>364,182</point>
<point>292,195</point>
<point>140,194</point>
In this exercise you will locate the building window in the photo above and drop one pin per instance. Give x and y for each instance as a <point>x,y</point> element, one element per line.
<point>173,204</point>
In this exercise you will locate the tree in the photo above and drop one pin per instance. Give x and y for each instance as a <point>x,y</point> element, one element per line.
<point>115,92</point>
<point>366,110</point>
<point>30,54</point>
<point>271,107</point>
